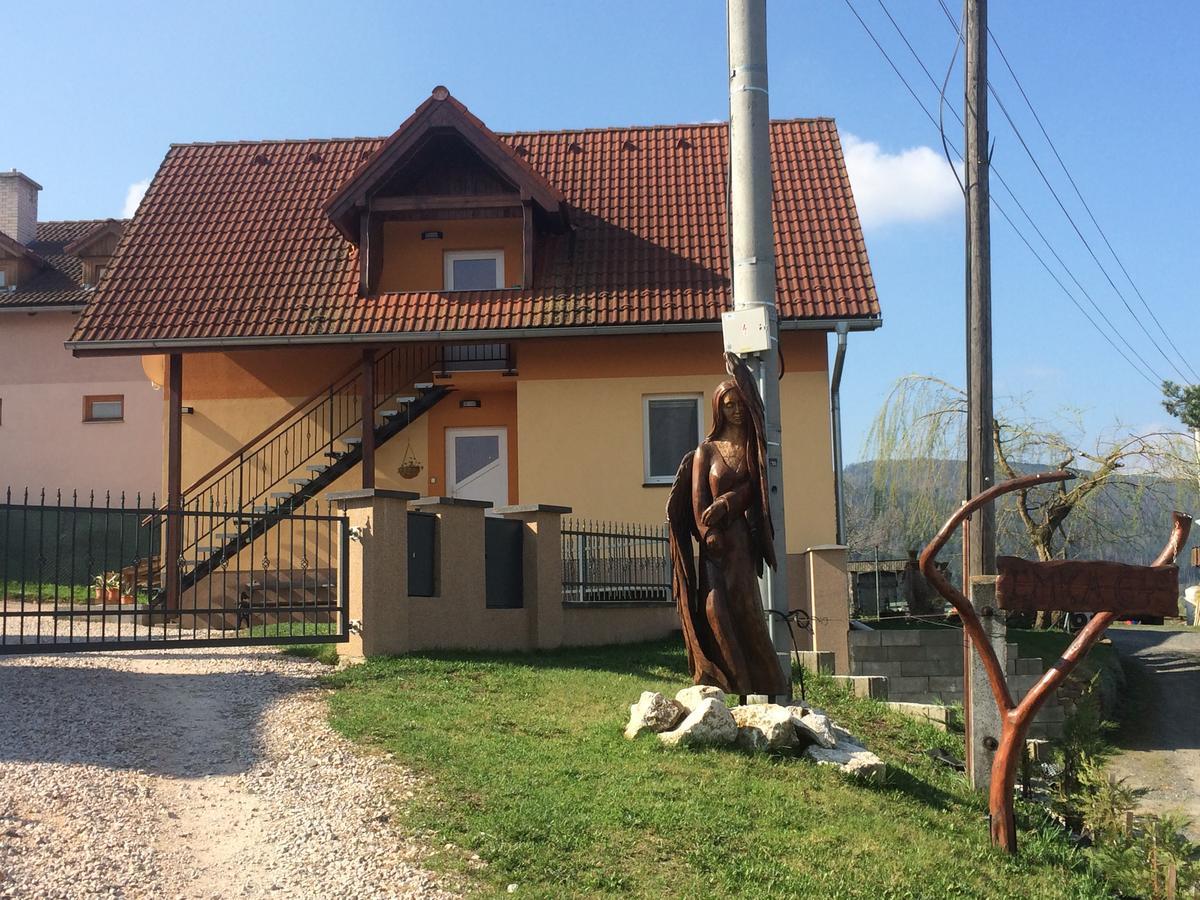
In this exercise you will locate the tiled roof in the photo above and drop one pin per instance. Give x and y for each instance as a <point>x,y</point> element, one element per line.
<point>231,241</point>
<point>60,283</point>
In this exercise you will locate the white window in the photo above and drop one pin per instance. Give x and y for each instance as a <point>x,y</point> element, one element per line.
<point>104,408</point>
<point>3,278</point>
<point>474,270</point>
<point>670,430</point>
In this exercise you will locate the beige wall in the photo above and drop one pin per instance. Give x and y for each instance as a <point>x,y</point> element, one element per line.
<point>574,414</point>
<point>43,438</point>
<point>595,461</point>
<point>411,264</point>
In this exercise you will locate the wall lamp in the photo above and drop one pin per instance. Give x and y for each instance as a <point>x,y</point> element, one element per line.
<point>469,404</point>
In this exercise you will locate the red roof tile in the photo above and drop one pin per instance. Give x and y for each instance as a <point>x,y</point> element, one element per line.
<point>231,241</point>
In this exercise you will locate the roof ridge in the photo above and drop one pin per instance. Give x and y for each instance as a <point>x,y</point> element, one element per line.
<point>307,140</point>
<point>80,221</point>
<point>563,131</point>
<point>659,127</point>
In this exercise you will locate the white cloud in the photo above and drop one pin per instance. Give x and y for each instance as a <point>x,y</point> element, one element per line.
<point>914,185</point>
<point>133,197</point>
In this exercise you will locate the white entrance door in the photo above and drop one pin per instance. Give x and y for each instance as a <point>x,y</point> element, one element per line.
<point>477,464</point>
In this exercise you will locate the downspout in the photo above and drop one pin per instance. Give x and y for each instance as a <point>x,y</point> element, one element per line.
<point>835,407</point>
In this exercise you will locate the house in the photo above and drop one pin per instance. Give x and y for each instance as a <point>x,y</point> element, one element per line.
<point>523,318</point>
<point>66,423</point>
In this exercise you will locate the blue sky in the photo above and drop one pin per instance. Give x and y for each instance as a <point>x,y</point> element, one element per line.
<point>111,86</point>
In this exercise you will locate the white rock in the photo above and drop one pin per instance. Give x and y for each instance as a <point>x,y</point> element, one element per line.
<point>764,726</point>
<point>816,728</point>
<point>857,762</point>
<point>710,723</point>
<point>691,697</point>
<point>653,712</point>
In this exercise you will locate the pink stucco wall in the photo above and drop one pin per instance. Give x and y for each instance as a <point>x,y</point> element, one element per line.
<point>43,438</point>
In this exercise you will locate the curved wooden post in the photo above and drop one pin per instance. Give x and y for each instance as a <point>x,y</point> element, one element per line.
<point>1016,718</point>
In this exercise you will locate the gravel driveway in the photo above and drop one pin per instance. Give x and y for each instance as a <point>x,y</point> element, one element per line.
<point>1161,752</point>
<point>188,774</point>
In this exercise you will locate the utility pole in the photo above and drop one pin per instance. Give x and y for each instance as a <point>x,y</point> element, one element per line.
<point>753,240</point>
<point>983,720</point>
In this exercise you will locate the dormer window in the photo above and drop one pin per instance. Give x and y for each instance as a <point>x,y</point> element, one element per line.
<point>474,270</point>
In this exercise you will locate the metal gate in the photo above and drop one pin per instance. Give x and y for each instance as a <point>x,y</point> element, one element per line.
<point>503,563</point>
<point>91,576</point>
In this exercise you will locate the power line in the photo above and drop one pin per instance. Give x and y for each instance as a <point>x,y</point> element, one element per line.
<point>1062,206</point>
<point>1087,208</point>
<point>1008,189</point>
<point>1153,379</point>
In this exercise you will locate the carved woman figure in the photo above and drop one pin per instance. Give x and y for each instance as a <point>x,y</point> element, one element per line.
<point>719,498</point>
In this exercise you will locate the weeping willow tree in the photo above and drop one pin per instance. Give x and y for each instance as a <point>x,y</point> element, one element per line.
<point>1109,510</point>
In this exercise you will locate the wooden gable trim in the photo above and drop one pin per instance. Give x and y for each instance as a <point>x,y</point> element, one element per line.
<point>79,246</point>
<point>439,111</point>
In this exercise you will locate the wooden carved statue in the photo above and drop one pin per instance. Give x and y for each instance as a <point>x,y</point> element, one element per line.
<point>719,498</point>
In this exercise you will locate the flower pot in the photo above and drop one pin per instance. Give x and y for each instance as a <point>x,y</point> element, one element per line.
<point>127,600</point>
<point>112,595</point>
<point>98,594</point>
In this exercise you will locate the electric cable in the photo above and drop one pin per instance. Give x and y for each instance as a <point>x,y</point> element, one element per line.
<point>1153,378</point>
<point>1071,219</point>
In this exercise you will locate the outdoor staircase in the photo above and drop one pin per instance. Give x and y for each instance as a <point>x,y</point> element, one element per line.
<point>282,471</point>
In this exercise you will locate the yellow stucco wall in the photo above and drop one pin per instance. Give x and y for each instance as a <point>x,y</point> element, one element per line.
<point>411,264</point>
<point>574,413</point>
<point>594,464</point>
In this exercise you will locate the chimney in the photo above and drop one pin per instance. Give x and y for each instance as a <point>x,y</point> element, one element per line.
<point>18,206</point>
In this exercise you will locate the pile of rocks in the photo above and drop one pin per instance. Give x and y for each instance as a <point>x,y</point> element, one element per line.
<point>700,717</point>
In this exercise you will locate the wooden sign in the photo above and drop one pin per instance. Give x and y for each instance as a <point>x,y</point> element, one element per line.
<point>1087,586</point>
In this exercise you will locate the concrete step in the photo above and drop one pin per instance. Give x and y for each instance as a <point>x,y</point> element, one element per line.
<point>316,469</point>
<point>300,482</point>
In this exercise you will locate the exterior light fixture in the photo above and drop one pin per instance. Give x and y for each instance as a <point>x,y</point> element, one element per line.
<point>469,404</point>
<point>432,235</point>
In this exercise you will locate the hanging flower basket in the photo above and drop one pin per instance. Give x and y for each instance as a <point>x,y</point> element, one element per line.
<point>410,467</point>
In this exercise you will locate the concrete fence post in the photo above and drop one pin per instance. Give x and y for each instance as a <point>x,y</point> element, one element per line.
<point>377,571</point>
<point>983,721</point>
<point>829,602</point>
<point>542,570</point>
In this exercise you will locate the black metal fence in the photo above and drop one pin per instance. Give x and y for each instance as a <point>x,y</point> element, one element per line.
<point>615,562</point>
<point>87,573</point>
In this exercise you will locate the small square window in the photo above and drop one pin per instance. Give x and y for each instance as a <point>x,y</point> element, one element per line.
<point>474,270</point>
<point>104,408</point>
<point>671,430</point>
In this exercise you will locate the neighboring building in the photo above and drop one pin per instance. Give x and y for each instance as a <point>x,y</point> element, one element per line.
<point>539,313</point>
<point>65,423</point>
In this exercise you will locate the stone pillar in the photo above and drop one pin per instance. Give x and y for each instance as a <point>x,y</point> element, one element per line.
<point>982,716</point>
<point>377,571</point>
<point>829,600</point>
<point>542,570</point>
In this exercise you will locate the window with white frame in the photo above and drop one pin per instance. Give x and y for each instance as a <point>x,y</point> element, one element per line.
<point>474,270</point>
<point>670,430</point>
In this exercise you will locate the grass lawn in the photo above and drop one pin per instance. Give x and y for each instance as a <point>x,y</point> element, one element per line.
<point>527,768</point>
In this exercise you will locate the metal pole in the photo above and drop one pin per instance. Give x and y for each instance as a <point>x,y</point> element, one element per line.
<point>835,408</point>
<point>753,243</point>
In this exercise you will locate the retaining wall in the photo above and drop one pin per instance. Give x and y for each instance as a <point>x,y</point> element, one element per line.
<point>926,666</point>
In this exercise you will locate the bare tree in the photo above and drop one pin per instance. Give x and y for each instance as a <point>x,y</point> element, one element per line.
<point>918,437</point>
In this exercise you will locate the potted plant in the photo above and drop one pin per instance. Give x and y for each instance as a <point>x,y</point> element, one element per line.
<point>106,588</point>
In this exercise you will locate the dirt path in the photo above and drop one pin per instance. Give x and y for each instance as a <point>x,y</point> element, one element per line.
<point>1161,745</point>
<point>191,774</point>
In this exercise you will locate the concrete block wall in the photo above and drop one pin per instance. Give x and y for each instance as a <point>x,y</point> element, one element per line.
<point>926,666</point>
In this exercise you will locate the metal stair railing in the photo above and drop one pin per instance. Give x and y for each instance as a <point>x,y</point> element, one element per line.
<point>302,441</point>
